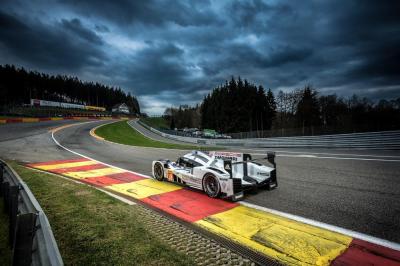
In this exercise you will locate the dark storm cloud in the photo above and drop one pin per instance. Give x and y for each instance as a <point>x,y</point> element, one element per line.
<point>254,13</point>
<point>173,52</point>
<point>65,45</point>
<point>372,33</point>
<point>156,68</point>
<point>148,12</point>
<point>76,28</point>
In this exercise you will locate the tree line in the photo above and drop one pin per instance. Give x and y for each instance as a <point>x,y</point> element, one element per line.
<point>183,116</point>
<point>18,86</point>
<point>239,106</point>
<point>307,109</point>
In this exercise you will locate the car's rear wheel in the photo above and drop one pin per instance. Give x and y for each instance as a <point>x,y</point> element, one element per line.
<point>211,185</point>
<point>158,171</point>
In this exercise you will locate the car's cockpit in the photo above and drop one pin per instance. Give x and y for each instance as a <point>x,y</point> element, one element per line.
<point>187,163</point>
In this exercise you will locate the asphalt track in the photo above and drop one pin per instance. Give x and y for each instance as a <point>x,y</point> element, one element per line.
<point>356,190</point>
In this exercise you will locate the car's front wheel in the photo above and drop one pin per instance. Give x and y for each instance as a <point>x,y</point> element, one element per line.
<point>211,185</point>
<point>158,171</point>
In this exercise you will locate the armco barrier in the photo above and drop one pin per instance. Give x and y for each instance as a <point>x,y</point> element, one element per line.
<point>31,238</point>
<point>169,136</point>
<point>367,140</point>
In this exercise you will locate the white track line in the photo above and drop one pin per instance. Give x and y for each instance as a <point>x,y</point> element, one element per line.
<point>329,157</point>
<point>326,153</point>
<point>89,158</point>
<point>344,231</point>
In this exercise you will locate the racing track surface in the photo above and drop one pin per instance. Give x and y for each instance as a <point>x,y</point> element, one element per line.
<point>360,193</point>
<point>31,141</point>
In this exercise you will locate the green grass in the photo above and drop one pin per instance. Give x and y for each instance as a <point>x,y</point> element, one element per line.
<point>91,227</point>
<point>5,250</point>
<point>121,132</point>
<point>156,122</point>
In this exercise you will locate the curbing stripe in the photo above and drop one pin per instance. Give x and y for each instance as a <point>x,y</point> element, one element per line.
<point>78,168</point>
<point>102,181</point>
<point>282,239</point>
<point>30,120</point>
<point>278,237</point>
<point>93,173</point>
<point>129,202</point>
<point>36,165</point>
<point>42,119</point>
<point>94,135</point>
<point>364,253</point>
<point>221,217</point>
<point>66,165</point>
<point>144,188</point>
<point>340,230</point>
<point>188,205</point>
<point>126,177</point>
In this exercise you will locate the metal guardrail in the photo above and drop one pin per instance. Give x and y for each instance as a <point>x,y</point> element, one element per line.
<point>366,140</point>
<point>30,235</point>
<point>172,137</point>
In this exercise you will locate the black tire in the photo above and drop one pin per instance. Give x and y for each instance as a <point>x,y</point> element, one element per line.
<point>158,171</point>
<point>211,186</point>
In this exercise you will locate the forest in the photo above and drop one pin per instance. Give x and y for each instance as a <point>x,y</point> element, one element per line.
<point>18,86</point>
<point>239,106</point>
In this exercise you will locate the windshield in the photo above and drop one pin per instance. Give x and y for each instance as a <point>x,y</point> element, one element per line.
<point>217,163</point>
<point>203,159</point>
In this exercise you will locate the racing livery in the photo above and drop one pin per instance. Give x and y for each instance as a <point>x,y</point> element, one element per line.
<point>219,174</point>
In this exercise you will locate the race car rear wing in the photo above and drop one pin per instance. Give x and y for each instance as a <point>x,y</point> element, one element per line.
<point>271,158</point>
<point>246,159</point>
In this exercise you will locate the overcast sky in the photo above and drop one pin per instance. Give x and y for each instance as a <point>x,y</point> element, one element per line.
<point>174,52</point>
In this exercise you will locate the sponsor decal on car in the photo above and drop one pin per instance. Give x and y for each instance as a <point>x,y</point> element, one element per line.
<point>263,173</point>
<point>233,156</point>
<point>170,175</point>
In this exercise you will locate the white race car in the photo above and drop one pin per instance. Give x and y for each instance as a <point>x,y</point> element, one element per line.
<point>225,174</point>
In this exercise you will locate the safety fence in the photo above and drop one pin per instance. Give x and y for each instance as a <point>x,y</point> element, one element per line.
<point>30,235</point>
<point>366,140</point>
<point>314,131</point>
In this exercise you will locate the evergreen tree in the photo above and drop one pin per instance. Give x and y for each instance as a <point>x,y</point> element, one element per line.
<point>308,109</point>
<point>271,108</point>
<point>238,106</point>
<point>18,86</point>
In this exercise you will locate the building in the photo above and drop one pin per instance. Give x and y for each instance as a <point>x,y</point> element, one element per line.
<point>120,108</point>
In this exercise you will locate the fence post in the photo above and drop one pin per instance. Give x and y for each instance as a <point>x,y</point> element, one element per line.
<point>13,211</point>
<point>5,191</point>
<point>1,173</point>
<point>1,178</point>
<point>25,232</point>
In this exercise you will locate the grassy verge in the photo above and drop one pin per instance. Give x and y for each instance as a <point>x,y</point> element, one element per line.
<point>156,122</point>
<point>5,250</point>
<point>91,228</point>
<point>121,132</point>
